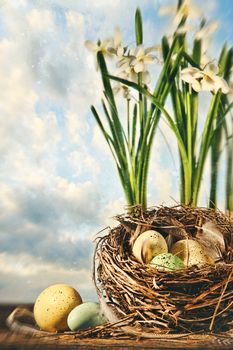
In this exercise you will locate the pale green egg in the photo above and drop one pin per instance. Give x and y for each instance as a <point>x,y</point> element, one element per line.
<point>167,262</point>
<point>85,316</point>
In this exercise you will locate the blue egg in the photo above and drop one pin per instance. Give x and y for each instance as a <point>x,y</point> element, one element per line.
<point>85,315</point>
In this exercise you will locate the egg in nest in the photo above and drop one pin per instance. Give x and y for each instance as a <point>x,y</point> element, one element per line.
<point>191,253</point>
<point>167,262</point>
<point>149,244</point>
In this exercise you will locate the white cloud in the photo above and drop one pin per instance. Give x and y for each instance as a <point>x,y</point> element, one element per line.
<point>23,277</point>
<point>74,19</point>
<point>39,19</point>
<point>17,95</point>
<point>77,126</point>
<point>113,208</point>
<point>24,264</point>
<point>99,141</point>
<point>84,164</point>
<point>7,204</point>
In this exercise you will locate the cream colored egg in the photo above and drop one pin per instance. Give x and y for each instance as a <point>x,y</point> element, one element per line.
<point>53,306</point>
<point>191,252</point>
<point>149,244</point>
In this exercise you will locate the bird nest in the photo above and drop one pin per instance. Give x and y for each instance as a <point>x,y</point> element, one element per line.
<point>144,299</point>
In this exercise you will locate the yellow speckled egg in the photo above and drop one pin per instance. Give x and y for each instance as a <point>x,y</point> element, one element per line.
<point>149,244</point>
<point>191,253</point>
<point>53,306</point>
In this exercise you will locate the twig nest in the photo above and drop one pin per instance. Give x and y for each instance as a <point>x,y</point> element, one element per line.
<point>191,253</point>
<point>198,297</point>
<point>149,244</point>
<point>167,262</point>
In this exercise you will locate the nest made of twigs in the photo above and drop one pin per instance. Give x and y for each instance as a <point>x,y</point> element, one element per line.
<point>194,299</point>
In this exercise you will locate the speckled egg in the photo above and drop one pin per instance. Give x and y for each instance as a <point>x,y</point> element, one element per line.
<point>149,244</point>
<point>191,253</point>
<point>53,306</point>
<point>167,262</point>
<point>86,315</point>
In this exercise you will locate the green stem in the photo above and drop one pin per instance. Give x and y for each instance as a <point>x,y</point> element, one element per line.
<point>205,144</point>
<point>140,102</point>
<point>194,108</point>
<point>128,122</point>
<point>188,198</point>
<point>229,172</point>
<point>215,154</point>
<point>182,181</point>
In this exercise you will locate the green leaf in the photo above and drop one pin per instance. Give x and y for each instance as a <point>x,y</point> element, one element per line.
<point>121,138</point>
<point>105,80</point>
<point>229,173</point>
<point>197,51</point>
<point>228,65</point>
<point>134,128</point>
<point>221,120</point>
<point>165,47</point>
<point>107,137</point>
<point>190,60</point>
<point>172,125</point>
<point>97,118</point>
<point>138,27</point>
<point>117,141</point>
<point>222,60</point>
<point>205,144</point>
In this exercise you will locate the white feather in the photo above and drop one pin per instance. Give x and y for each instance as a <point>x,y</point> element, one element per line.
<point>107,310</point>
<point>210,236</point>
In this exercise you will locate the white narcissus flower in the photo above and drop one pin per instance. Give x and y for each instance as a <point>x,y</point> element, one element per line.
<point>116,43</point>
<point>102,46</point>
<point>167,10</point>
<point>184,29</point>
<point>141,57</point>
<point>119,87</point>
<point>205,60</point>
<point>108,46</point>
<point>208,29</point>
<point>185,10</point>
<point>124,63</point>
<point>135,62</point>
<point>123,89</point>
<point>211,81</point>
<point>129,74</point>
<point>205,80</point>
<point>191,76</point>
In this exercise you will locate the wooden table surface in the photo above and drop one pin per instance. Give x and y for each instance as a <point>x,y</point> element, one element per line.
<point>15,341</point>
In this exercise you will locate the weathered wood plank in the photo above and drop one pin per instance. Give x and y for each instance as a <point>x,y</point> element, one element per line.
<point>14,341</point>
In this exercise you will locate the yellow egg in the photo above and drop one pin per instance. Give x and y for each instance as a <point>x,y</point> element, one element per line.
<point>191,252</point>
<point>149,244</point>
<point>53,306</point>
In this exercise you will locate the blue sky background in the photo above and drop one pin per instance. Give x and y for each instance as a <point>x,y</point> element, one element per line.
<point>58,183</point>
